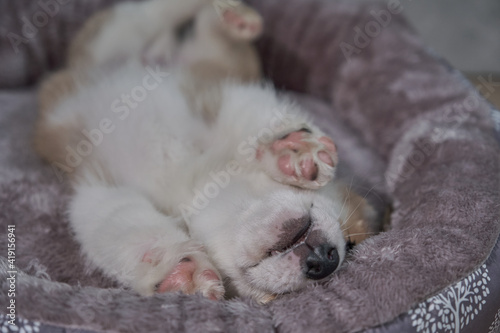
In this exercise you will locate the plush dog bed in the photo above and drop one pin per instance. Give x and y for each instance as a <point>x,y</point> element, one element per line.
<point>408,125</point>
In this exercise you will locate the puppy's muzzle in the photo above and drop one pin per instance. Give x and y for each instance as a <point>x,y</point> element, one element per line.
<point>321,261</point>
<point>318,258</point>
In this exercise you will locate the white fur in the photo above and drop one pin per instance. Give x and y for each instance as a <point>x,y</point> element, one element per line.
<point>134,25</point>
<point>162,182</point>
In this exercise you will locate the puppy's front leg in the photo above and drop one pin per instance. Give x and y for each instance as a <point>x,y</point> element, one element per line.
<point>276,135</point>
<point>124,235</point>
<point>304,158</point>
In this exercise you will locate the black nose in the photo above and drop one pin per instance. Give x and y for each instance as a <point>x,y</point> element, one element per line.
<point>321,262</point>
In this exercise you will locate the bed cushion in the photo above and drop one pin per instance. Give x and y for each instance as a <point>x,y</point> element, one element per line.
<point>406,123</point>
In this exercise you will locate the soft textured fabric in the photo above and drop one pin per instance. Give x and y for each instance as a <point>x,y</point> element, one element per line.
<point>406,124</point>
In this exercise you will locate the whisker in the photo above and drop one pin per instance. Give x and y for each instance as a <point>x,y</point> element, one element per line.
<point>378,196</point>
<point>362,233</point>
<point>359,203</point>
<point>345,200</point>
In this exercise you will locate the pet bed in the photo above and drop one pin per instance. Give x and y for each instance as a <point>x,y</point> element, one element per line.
<point>404,121</point>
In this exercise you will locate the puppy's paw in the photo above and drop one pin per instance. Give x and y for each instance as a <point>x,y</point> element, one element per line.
<point>241,21</point>
<point>191,275</point>
<point>190,272</point>
<point>301,158</point>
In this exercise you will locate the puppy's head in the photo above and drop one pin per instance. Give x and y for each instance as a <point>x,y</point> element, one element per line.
<point>267,245</point>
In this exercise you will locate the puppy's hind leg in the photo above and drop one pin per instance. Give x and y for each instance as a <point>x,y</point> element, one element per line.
<point>125,236</point>
<point>240,21</point>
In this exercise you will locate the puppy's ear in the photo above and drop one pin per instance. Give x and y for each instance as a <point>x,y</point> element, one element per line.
<point>358,218</point>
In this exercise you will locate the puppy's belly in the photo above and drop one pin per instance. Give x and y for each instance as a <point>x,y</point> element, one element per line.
<point>143,143</point>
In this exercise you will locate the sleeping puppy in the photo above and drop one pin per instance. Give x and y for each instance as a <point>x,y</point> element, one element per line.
<point>196,179</point>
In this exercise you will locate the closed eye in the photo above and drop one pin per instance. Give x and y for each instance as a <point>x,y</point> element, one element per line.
<point>185,30</point>
<point>299,237</point>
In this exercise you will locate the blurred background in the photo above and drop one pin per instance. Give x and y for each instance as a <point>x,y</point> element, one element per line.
<point>466,33</point>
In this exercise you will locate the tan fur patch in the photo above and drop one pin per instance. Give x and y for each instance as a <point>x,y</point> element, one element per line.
<point>78,53</point>
<point>356,226</point>
<point>50,141</point>
<point>53,89</point>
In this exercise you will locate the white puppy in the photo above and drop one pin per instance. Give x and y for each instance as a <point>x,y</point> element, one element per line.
<point>168,199</point>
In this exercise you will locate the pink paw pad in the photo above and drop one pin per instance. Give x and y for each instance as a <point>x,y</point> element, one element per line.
<point>300,153</point>
<point>180,279</point>
<point>186,279</point>
<point>292,141</point>
<point>286,166</point>
<point>150,258</point>
<point>245,27</point>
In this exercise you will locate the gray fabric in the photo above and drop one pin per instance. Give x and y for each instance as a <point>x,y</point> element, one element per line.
<point>32,198</point>
<point>435,139</point>
<point>403,121</point>
<point>34,36</point>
